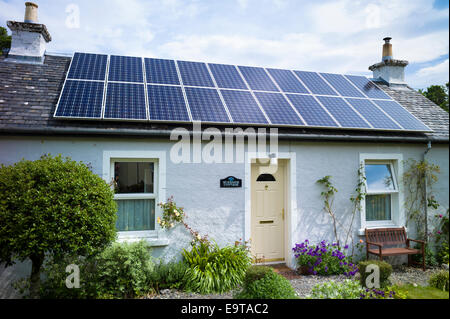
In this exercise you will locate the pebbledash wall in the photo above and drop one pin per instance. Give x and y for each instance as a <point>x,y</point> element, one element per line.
<point>223,214</point>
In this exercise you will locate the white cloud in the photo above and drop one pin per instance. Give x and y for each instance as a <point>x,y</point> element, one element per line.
<point>432,75</point>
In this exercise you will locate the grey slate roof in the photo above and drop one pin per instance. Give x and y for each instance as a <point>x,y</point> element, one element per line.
<point>29,94</point>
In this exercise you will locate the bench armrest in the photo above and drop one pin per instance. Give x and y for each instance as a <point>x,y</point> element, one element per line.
<point>416,241</point>
<point>368,243</point>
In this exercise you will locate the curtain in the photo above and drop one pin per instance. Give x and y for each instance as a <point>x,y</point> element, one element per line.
<point>136,214</point>
<point>378,207</point>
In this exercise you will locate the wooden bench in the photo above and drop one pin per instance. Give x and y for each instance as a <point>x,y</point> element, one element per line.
<point>382,238</point>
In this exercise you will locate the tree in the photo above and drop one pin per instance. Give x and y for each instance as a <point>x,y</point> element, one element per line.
<point>438,94</point>
<point>51,207</point>
<point>5,39</point>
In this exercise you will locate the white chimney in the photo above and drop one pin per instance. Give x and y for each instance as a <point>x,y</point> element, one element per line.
<point>389,70</point>
<point>29,38</point>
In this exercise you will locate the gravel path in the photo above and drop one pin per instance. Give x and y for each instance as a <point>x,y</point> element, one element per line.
<point>304,284</point>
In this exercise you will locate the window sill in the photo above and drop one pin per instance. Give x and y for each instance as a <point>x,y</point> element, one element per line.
<point>362,231</point>
<point>151,237</point>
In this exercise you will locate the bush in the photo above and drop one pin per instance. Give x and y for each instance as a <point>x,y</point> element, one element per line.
<point>52,207</point>
<point>120,271</point>
<point>168,276</point>
<point>349,289</point>
<point>440,280</point>
<point>270,286</point>
<point>324,259</point>
<point>213,269</point>
<point>385,271</point>
<point>255,273</point>
<point>442,254</point>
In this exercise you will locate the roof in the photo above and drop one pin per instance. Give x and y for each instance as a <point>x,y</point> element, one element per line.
<point>29,94</point>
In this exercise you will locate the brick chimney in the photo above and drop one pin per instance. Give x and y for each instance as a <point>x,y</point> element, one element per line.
<point>29,38</point>
<point>389,70</point>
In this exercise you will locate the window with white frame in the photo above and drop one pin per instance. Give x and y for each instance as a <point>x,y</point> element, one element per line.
<point>381,187</point>
<point>135,194</point>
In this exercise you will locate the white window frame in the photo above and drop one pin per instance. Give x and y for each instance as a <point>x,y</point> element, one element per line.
<point>397,210</point>
<point>154,237</point>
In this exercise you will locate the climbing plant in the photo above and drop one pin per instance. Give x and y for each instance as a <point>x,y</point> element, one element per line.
<point>418,179</point>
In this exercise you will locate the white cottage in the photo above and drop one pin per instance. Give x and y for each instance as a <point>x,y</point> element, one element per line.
<point>137,121</point>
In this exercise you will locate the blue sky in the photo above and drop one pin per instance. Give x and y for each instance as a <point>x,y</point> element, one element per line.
<point>330,36</point>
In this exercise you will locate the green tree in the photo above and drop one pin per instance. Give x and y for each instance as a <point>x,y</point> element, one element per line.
<point>438,94</point>
<point>5,39</point>
<point>52,207</point>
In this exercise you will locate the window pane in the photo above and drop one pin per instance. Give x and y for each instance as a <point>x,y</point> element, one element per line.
<point>378,207</point>
<point>134,177</point>
<point>136,214</point>
<point>379,177</point>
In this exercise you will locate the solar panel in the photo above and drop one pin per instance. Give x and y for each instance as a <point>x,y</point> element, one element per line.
<point>86,66</point>
<point>373,114</point>
<point>125,69</point>
<point>402,116</point>
<point>340,84</point>
<point>227,76</point>
<point>311,111</point>
<point>125,101</point>
<point>243,107</point>
<point>206,105</point>
<point>287,81</point>
<point>278,109</point>
<point>161,71</point>
<point>315,83</point>
<point>343,113</point>
<point>195,74</point>
<point>81,99</point>
<point>258,79</point>
<point>166,103</point>
<point>369,89</point>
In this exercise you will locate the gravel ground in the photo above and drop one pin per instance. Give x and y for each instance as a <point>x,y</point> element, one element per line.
<point>304,284</point>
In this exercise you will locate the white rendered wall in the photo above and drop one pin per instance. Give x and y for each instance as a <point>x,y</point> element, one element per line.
<point>25,43</point>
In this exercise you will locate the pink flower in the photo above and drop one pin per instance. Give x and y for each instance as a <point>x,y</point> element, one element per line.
<point>440,216</point>
<point>439,232</point>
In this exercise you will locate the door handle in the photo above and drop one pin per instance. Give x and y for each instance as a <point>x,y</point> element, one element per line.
<point>266,221</point>
<point>282,213</point>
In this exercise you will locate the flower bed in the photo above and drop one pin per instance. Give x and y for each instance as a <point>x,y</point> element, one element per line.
<point>324,259</point>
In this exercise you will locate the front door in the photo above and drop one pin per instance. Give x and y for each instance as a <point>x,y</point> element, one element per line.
<point>268,213</point>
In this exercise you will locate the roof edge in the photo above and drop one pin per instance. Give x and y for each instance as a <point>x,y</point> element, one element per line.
<point>82,131</point>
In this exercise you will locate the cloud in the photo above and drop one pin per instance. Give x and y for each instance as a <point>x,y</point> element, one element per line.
<point>433,75</point>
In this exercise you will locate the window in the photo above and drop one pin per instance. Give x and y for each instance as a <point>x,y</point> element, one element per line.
<point>135,194</point>
<point>380,184</point>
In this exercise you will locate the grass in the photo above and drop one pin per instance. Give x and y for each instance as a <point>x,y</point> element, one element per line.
<point>421,292</point>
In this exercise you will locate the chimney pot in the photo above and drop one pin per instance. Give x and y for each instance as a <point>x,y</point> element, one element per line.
<point>31,12</point>
<point>387,49</point>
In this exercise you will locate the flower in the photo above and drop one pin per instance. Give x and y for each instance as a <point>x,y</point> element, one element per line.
<point>361,241</point>
<point>158,220</point>
<point>199,237</point>
<point>171,225</point>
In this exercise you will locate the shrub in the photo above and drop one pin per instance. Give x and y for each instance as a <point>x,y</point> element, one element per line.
<point>387,293</point>
<point>120,271</point>
<point>124,270</point>
<point>255,273</point>
<point>442,254</point>
<point>385,271</point>
<point>349,289</point>
<point>324,259</point>
<point>440,280</point>
<point>214,269</point>
<point>51,207</point>
<point>168,276</point>
<point>270,286</point>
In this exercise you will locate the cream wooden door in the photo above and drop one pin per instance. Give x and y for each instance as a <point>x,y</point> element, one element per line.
<point>267,217</point>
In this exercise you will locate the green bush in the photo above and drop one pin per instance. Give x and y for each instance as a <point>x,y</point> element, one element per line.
<point>213,269</point>
<point>256,273</point>
<point>349,289</point>
<point>271,286</point>
<point>168,276</point>
<point>385,272</point>
<point>442,254</point>
<point>52,207</point>
<point>440,280</point>
<point>120,271</point>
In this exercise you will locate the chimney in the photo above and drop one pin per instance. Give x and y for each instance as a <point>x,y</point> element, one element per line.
<point>29,38</point>
<point>389,70</point>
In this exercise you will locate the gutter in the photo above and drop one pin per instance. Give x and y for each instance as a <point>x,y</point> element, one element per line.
<point>80,131</point>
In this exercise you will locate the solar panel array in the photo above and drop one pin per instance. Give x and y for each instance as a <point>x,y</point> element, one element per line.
<point>147,89</point>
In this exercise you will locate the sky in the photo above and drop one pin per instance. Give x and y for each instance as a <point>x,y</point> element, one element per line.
<point>342,36</point>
